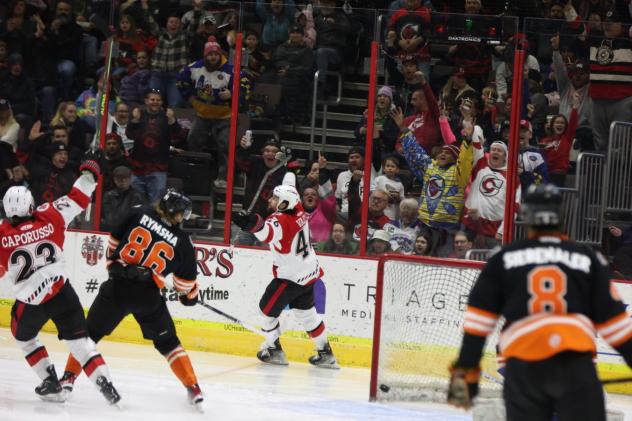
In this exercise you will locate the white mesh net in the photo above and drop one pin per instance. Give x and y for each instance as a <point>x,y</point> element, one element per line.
<point>423,307</point>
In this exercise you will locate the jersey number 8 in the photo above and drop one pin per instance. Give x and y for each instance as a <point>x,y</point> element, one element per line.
<point>137,243</point>
<point>547,287</point>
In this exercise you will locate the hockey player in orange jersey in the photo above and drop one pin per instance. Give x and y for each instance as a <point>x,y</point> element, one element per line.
<point>295,269</point>
<point>555,295</point>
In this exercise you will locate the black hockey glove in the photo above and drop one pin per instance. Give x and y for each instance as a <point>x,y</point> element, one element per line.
<point>463,386</point>
<point>247,221</point>
<point>116,271</point>
<point>191,298</point>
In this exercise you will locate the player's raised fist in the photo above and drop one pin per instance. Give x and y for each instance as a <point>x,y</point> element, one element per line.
<point>247,221</point>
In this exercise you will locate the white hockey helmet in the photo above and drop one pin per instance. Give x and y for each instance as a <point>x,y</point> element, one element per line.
<point>288,197</point>
<point>18,201</point>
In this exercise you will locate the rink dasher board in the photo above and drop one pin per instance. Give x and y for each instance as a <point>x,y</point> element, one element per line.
<point>234,283</point>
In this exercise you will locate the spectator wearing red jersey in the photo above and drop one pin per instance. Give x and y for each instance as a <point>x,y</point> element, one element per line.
<point>610,77</point>
<point>424,123</point>
<point>556,148</point>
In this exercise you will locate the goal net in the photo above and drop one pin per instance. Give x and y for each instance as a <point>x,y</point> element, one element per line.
<point>418,328</point>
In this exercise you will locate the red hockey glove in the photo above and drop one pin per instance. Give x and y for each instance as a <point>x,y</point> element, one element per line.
<point>463,386</point>
<point>92,167</point>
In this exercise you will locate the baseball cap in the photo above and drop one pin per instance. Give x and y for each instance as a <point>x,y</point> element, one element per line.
<point>4,104</point>
<point>526,124</point>
<point>209,18</point>
<point>295,29</point>
<point>381,235</point>
<point>122,172</point>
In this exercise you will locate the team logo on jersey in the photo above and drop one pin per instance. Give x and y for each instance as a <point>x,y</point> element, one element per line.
<point>92,249</point>
<point>491,185</point>
<point>435,187</point>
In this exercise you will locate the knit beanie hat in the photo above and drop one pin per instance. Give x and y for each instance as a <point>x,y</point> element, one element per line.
<point>452,150</point>
<point>386,91</point>
<point>212,46</point>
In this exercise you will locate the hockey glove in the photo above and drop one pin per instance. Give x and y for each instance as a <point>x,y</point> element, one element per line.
<point>116,271</point>
<point>191,298</point>
<point>463,386</point>
<point>247,221</point>
<point>91,167</point>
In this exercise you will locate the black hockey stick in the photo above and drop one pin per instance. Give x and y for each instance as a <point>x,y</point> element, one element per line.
<point>231,318</point>
<point>606,382</point>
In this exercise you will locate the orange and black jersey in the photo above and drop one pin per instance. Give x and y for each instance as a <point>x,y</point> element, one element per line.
<point>555,295</point>
<point>144,239</point>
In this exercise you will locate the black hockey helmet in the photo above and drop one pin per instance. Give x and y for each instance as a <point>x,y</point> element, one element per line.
<point>174,202</point>
<point>542,206</point>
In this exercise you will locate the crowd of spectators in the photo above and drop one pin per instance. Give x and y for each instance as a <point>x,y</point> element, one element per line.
<point>445,131</point>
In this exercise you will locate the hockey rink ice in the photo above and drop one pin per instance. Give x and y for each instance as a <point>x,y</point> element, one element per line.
<point>235,388</point>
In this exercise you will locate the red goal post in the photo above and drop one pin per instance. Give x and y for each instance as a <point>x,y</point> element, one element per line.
<point>418,327</point>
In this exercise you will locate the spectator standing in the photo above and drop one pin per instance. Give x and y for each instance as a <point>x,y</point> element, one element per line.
<point>50,182</point>
<point>117,123</point>
<point>207,86</point>
<point>39,147</point>
<point>135,84</point>
<point>484,209</point>
<point>338,242</point>
<point>207,29</point>
<point>64,37</point>
<point>153,129</point>
<point>391,183</point>
<point>412,78</point>
<point>444,180</point>
<point>319,201</point>
<point>557,147</point>
<point>170,56</point>
<point>504,71</point>
<point>385,131</point>
<point>277,18</point>
<point>333,28</point>
<point>130,43</point>
<point>532,168</point>
<point>424,122</point>
<point>572,79</point>
<point>610,57</point>
<point>294,62</point>
<point>120,200</point>
<point>410,26</point>
<point>355,163</point>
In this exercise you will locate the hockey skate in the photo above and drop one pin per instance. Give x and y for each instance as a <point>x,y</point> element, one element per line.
<point>195,397</point>
<point>108,391</point>
<point>273,355</point>
<point>50,389</point>
<point>324,358</point>
<point>67,382</point>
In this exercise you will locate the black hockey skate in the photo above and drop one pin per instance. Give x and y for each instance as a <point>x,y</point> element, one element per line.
<point>273,355</point>
<point>324,358</point>
<point>67,381</point>
<point>108,391</point>
<point>195,396</point>
<point>50,389</point>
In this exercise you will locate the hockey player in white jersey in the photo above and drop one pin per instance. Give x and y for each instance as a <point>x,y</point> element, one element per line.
<point>32,261</point>
<point>295,269</point>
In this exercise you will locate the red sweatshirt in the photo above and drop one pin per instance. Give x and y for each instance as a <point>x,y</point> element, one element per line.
<point>556,149</point>
<point>425,125</point>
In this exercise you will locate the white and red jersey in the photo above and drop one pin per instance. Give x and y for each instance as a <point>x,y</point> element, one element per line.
<point>32,252</point>
<point>293,256</point>
<point>487,192</point>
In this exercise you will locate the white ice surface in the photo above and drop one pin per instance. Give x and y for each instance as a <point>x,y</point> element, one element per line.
<point>235,388</point>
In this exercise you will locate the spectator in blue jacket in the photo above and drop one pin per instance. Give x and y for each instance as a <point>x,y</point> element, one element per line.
<point>277,19</point>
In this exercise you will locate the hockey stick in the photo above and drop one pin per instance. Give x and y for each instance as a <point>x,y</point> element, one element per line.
<point>606,382</point>
<point>231,318</point>
<point>283,160</point>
